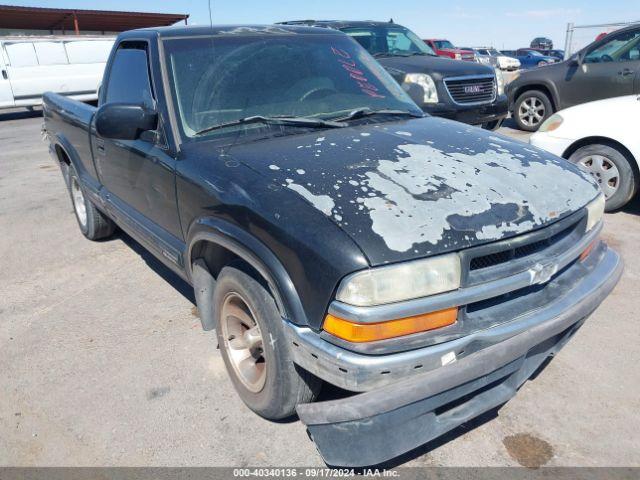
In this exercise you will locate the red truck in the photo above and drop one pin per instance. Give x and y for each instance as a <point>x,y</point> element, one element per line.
<point>444,48</point>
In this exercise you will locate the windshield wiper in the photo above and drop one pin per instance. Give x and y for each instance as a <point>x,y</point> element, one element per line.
<point>367,112</point>
<point>276,120</point>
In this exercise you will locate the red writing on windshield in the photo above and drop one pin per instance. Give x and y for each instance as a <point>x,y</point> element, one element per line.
<point>358,76</point>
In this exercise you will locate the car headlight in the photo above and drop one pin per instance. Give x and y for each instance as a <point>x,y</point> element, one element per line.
<point>595,211</point>
<point>552,123</point>
<point>499,81</point>
<point>403,281</point>
<point>423,81</point>
<point>457,56</point>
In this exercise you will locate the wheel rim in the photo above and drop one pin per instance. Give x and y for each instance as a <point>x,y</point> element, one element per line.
<point>604,171</point>
<point>79,204</point>
<point>243,342</point>
<point>531,111</point>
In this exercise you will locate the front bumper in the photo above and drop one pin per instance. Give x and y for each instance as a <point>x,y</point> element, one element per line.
<point>550,143</point>
<point>471,114</point>
<point>380,424</point>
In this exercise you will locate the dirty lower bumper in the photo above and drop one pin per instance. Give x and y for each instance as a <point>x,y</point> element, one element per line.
<point>378,425</point>
<point>471,114</point>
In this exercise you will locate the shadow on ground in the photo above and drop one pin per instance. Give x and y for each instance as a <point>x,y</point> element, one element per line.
<point>157,266</point>
<point>20,114</point>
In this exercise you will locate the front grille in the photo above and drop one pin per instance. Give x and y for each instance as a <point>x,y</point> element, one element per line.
<point>504,256</point>
<point>471,90</point>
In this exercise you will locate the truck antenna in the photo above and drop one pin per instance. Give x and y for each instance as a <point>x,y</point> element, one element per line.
<point>210,16</point>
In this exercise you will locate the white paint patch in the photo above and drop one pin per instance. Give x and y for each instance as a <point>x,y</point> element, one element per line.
<point>365,134</point>
<point>274,167</point>
<point>300,171</point>
<point>324,203</point>
<point>406,134</point>
<point>320,139</point>
<point>404,213</point>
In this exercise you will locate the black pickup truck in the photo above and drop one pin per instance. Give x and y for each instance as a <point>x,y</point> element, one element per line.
<point>334,233</point>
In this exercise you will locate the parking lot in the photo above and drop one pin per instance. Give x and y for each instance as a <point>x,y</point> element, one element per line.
<point>104,362</point>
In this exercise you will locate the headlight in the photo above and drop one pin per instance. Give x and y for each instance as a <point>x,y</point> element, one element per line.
<point>551,123</point>
<point>595,211</point>
<point>457,56</point>
<point>424,81</point>
<point>404,281</point>
<point>499,81</point>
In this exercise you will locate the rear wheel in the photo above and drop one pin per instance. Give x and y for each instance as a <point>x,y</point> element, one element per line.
<point>93,224</point>
<point>611,169</point>
<point>255,350</point>
<point>531,109</point>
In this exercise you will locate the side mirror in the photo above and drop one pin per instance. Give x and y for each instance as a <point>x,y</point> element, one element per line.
<point>576,60</point>
<point>124,121</point>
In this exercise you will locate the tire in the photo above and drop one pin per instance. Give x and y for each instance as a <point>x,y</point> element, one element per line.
<point>531,109</point>
<point>93,224</point>
<point>492,126</point>
<point>612,170</point>
<point>262,372</point>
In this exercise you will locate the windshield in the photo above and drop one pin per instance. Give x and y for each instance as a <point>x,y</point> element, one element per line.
<point>443,44</point>
<point>493,52</point>
<point>223,79</point>
<point>533,53</point>
<point>392,40</point>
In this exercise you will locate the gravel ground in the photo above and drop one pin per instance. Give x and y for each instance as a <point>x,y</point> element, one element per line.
<point>103,361</point>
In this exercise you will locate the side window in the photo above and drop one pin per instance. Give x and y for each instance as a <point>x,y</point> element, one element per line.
<point>129,80</point>
<point>50,53</point>
<point>363,37</point>
<point>621,48</point>
<point>88,51</point>
<point>21,54</point>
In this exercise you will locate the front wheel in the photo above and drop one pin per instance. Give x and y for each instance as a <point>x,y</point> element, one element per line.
<point>531,109</point>
<point>254,348</point>
<point>611,169</point>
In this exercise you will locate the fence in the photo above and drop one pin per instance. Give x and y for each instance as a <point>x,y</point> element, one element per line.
<point>579,36</point>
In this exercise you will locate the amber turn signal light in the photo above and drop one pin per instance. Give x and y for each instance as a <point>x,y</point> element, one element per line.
<point>369,332</point>
<point>585,253</point>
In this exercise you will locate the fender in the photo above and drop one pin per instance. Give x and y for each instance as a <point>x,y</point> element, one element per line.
<point>91,184</point>
<point>255,253</point>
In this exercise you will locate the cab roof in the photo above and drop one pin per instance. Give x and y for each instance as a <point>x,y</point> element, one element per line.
<point>241,30</point>
<point>339,24</point>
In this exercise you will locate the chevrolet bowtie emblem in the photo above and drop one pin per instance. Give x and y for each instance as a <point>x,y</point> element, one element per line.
<point>540,274</point>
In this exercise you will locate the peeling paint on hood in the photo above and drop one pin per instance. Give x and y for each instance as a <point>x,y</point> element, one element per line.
<point>423,186</point>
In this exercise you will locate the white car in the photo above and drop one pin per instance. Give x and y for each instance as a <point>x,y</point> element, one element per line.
<point>602,137</point>
<point>491,56</point>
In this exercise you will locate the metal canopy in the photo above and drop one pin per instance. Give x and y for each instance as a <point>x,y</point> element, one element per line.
<point>36,18</point>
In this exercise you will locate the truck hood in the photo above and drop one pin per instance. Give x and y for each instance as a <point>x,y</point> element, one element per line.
<point>437,67</point>
<point>419,187</point>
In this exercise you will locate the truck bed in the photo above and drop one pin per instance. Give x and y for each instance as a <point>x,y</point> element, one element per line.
<point>70,121</point>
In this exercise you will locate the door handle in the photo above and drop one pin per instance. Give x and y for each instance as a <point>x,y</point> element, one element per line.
<point>624,72</point>
<point>4,74</point>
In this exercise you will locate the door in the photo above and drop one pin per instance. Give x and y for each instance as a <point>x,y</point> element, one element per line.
<point>6,95</point>
<point>608,70</point>
<point>138,175</point>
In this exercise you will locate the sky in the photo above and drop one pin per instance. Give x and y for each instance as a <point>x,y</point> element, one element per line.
<point>503,24</point>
